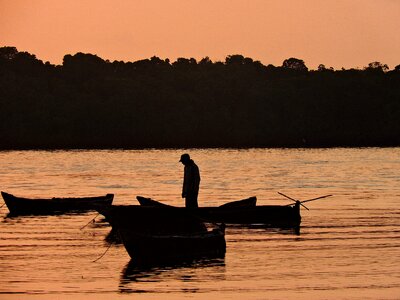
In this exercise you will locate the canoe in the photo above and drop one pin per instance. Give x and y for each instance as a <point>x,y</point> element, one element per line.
<point>154,234</point>
<point>156,247</point>
<point>248,202</point>
<point>29,206</point>
<point>278,216</point>
<point>242,212</point>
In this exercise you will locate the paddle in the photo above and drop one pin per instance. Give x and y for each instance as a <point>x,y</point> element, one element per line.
<point>297,201</point>
<point>316,198</point>
<point>301,202</point>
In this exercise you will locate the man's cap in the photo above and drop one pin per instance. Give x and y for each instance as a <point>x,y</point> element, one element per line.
<point>184,157</point>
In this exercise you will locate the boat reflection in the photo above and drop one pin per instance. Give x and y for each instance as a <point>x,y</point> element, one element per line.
<point>11,215</point>
<point>267,228</point>
<point>137,272</point>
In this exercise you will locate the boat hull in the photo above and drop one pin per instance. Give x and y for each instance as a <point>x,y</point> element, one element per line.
<point>267,215</point>
<point>150,248</point>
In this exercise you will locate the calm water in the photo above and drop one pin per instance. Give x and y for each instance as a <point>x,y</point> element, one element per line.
<point>349,246</point>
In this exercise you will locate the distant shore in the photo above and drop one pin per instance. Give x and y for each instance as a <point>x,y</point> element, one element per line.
<point>90,103</point>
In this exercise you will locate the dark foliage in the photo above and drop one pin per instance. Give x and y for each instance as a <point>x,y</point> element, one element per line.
<point>91,103</point>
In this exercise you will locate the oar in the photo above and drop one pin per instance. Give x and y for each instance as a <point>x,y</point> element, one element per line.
<point>316,198</point>
<point>293,200</point>
<point>287,196</point>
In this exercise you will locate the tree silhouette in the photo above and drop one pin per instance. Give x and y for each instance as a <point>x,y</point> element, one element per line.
<point>377,66</point>
<point>294,64</point>
<point>88,102</point>
<point>8,53</point>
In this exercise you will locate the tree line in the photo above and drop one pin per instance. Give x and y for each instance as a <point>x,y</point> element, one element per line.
<point>88,102</point>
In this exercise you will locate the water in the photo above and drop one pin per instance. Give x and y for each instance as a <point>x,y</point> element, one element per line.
<point>349,246</point>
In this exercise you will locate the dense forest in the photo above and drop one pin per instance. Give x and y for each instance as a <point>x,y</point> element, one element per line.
<point>88,102</point>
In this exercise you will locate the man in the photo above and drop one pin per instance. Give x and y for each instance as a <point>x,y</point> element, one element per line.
<point>191,181</point>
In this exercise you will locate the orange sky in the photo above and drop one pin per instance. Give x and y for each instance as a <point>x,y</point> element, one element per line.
<point>337,33</point>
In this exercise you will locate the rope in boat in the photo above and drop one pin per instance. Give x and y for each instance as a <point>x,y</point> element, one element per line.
<point>92,220</point>
<point>108,248</point>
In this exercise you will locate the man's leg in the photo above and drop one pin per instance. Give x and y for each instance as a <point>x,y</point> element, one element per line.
<point>191,201</point>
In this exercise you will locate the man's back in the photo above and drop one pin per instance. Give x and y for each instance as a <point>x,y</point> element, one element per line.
<point>191,181</point>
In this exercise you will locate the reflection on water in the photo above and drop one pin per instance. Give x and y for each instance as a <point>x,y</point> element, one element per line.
<point>349,246</point>
<point>135,272</point>
<point>160,271</point>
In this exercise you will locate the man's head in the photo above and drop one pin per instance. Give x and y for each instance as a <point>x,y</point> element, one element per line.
<point>185,158</point>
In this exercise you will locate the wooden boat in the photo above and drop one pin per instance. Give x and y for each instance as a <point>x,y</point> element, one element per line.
<point>241,212</point>
<point>154,234</point>
<point>278,216</point>
<point>148,247</point>
<point>248,202</point>
<point>28,206</point>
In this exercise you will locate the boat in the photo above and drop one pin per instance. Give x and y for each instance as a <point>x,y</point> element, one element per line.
<point>148,247</point>
<point>155,234</point>
<point>33,206</point>
<point>279,216</point>
<point>248,202</point>
<point>241,212</point>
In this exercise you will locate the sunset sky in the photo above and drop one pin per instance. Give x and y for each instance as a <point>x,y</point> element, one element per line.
<point>337,33</point>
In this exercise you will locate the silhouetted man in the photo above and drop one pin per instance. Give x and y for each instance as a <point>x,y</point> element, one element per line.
<point>191,181</point>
